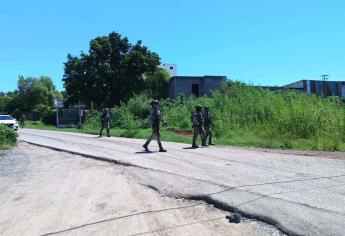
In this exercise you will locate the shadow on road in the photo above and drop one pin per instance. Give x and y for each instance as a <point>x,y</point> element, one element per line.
<point>189,148</point>
<point>145,152</point>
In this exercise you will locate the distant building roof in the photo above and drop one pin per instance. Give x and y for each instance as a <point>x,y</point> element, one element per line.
<point>213,77</point>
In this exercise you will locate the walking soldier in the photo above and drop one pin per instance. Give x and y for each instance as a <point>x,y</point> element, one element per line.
<point>22,120</point>
<point>208,123</point>
<point>105,122</point>
<point>155,118</point>
<point>198,126</point>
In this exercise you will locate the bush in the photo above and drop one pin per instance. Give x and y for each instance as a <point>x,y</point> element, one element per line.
<point>126,119</point>
<point>92,122</point>
<point>8,137</point>
<point>48,116</point>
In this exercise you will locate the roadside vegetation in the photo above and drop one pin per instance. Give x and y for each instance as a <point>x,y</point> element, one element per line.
<point>8,138</point>
<point>244,116</point>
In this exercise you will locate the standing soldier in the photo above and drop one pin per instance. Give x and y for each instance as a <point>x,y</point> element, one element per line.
<point>208,122</point>
<point>198,126</point>
<point>22,120</point>
<point>105,122</point>
<point>155,119</point>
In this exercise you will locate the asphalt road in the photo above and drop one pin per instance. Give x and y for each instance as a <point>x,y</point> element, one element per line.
<point>300,193</point>
<point>45,192</point>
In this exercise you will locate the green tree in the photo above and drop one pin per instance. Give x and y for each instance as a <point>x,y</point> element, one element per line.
<point>4,100</point>
<point>157,84</point>
<point>33,91</point>
<point>11,102</point>
<point>113,70</point>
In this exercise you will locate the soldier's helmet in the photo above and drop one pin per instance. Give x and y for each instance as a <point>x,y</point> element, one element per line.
<point>154,102</point>
<point>206,108</point>
<point>198,107</point>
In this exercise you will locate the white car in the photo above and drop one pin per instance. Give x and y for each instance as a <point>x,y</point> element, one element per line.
<point>9,121</point>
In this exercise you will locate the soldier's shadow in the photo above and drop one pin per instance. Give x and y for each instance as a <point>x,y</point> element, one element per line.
<point>145,152</point>
<point>189,148</point>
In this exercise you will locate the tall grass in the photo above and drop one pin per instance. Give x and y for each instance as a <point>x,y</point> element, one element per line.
<point>249,116</point>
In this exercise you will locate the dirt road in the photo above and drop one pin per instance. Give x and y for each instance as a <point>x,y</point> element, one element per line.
<point>44,192</point>
<point>300,194</point>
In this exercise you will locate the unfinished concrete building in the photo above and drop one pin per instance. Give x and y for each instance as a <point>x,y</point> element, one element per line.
<point>194,85</point>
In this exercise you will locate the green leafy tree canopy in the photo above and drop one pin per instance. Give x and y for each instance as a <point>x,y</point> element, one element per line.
<point>30,93</point>
<point>158,84</point>
<point>112,71</point>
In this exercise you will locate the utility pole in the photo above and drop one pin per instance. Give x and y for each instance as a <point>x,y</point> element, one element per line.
<point>324,77</point>
<point>324,85</point>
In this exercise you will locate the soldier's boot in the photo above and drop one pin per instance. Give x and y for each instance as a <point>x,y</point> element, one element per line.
<point>146,146</point>
<point>194,145</point>
<point>161,149</point>
<point>204,143</point>
<point>210,136</point>
<point>210,142</point>
<point>203,137</point>
<point>108,133</point>
<point>100,133</point>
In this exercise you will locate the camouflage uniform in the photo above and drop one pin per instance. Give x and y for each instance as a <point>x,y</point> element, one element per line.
<point>198,126</point>
<point>105,122</point>
<point>22,121</point>
<point>155,119</point>
<point>208,123</point>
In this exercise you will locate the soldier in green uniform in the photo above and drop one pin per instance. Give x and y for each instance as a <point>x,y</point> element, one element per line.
<point>22,120</point>
<point>105,122</point>
<point>155,118</point>
<point>208,123</point>
<point>198,126</point>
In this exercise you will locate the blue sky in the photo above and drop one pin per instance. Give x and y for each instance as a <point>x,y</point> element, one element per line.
<point>266,42</point>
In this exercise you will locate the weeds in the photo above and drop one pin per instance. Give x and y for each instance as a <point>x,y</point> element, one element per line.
<point>245,116</point>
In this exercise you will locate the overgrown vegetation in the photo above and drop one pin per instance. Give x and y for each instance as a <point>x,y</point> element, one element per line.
<point>248,116</point>
<point>8,137</point>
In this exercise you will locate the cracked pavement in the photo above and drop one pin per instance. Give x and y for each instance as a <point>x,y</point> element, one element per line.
<point>301,193</point>
<point>45,192</point>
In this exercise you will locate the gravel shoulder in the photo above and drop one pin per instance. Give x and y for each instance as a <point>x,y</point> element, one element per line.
<point>44,192</point>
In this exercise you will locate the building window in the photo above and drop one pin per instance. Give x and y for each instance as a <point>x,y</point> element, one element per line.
<point>171,68</point>
<point>195,90</point>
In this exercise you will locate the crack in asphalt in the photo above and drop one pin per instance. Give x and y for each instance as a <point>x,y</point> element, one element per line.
<point>208,200</point>
<point>165,154</point>
<point>278,182</point>
<point>228,188</point>
<point>299,203</point>
<point>208,197</point>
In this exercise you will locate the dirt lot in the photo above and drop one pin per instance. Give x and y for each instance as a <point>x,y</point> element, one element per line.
<point>44,192</point>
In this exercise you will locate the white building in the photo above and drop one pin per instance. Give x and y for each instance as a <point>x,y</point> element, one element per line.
<point>170,68</point>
